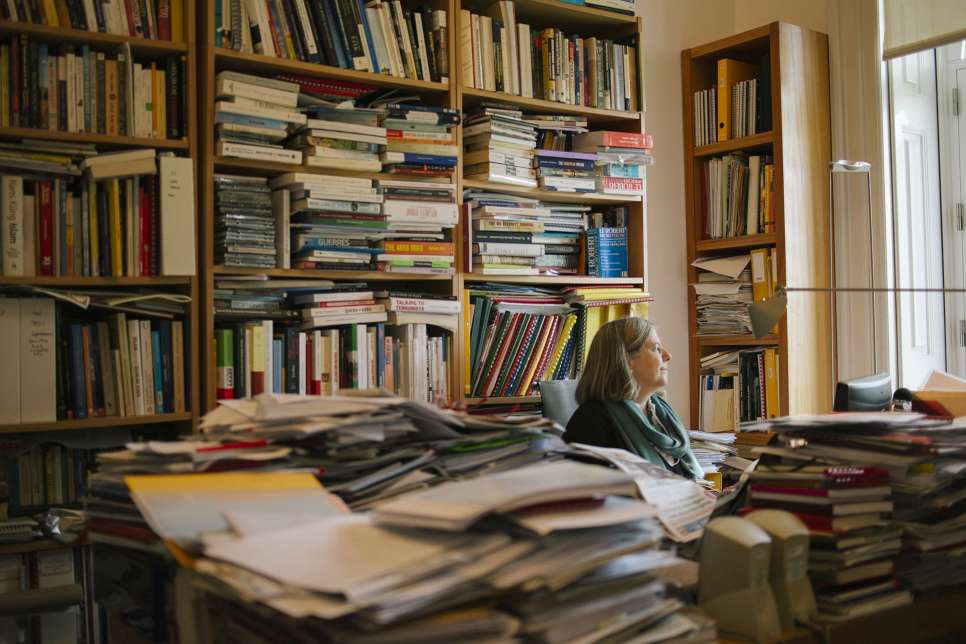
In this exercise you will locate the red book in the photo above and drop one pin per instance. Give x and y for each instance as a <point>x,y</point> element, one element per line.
<point>132,29</point>
<point>45,225</point>
<point>614,140</point>
<point>154,205</point>
<point>164,20</point>
<point>622,183</point>
<point>144,244</point>
<point>309,361</point>
<point>556,327</point>
<point>88,367</point>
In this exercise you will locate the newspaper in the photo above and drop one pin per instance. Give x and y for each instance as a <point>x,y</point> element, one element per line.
<point>683,506</point>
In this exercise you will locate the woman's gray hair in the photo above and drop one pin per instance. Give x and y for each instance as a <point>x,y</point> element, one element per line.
<point>607,374</point>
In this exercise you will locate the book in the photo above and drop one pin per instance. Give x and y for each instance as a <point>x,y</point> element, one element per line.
<point>177,229</point>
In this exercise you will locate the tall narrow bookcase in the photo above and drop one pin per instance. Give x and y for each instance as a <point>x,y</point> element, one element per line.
<point>586,21</point>
<point>453,94</point>
<point>799,143</point>
<point>166,424</point>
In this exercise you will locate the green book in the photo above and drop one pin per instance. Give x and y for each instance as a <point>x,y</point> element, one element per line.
<point>225,361</point>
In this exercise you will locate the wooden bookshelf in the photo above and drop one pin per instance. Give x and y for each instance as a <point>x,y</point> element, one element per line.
<point>143,49</point>
<point>799,143</point>
<point>504,400</point>
<point>452,94</point>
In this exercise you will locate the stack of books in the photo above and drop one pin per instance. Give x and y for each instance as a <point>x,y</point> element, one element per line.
<point>78,89</point>
<point>498,146</point>
<point>739,195</point>
<point>381,37</point>
<point>421,140</point>
<point>420,216</point>
<point>340,138</point>
<point>621,157</point>
<point>129,363</point>
<point>336,307</point>
<point>557,166</point>
<point>254,116</point>
<point>744,108</point>
<point>853,541</point>
<point>706,117</point>
<point>499,54</point>
<point>152,19</point>
<point>514,235</point>
<point>244,224</point>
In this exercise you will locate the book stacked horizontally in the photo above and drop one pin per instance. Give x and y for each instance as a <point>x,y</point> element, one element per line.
<point>408,307</point>
<point>420,140</point>
<point>420,216</point>
<point>498,146</point>
<point>244,225</point>
<point>339,138</point>
<point>621,157</point>
<point>853,542</point>
<point>254,116</point>
<point>515,235</point>
<point>712,448</point>
<point>557,166</point>
<point>339,306</point>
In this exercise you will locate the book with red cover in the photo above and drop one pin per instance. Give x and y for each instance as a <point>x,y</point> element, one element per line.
<point>834,508</point>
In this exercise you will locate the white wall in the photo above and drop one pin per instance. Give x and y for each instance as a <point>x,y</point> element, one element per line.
<point>669,28</point>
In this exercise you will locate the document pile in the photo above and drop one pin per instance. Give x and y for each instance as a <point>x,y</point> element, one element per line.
<point>723,292</point>
<point>903,475</point>
<point>712,448</point>
<point>554,552</point>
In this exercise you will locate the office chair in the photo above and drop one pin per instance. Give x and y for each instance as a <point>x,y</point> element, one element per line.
<point>559,399</point>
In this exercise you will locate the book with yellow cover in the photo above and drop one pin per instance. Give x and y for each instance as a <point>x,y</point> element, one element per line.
<point>772,407</point>
<point>730,71</point>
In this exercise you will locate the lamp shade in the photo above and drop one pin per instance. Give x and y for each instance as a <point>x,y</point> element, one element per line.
<point>766,313</point>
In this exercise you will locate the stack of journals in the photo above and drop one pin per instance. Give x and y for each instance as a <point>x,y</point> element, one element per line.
<point>341,138</point>
<point>738,195</point>
<point>151,19</point>
<point>244,225</point>
<point>82,365</point>
<point>104,223</point>
<point>501,55</point>
<point>420,140</point>
<point>738,105</point>
<point>742,387</point>
<point>558,167</point>
<point>722,294</point>
<point>76,89</point>
<point>254,115</point>
<point>243,296</point>
<point>338,306</point>
<point>409,307</point>
<point>498,146</point>
<point>621,157</point>
<point>382,37</point>
<point>512,235</point>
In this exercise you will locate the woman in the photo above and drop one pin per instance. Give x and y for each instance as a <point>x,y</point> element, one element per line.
<point>619,406</point>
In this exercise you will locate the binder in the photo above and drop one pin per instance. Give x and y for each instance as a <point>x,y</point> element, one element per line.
<point>730,71</point>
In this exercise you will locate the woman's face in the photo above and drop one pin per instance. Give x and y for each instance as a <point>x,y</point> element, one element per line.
<point>649,365</point>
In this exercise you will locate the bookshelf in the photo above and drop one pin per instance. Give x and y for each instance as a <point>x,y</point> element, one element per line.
<point>799,143</point>
<point>452,94</point>
<point>162,424</point>
<point>146,50</point>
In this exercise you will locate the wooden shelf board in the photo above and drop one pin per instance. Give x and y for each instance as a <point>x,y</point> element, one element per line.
<point>744,241</point>
<point>8,280</point>
<point>38,545</point>
<point>257,63</point>
<point>759,140</point>
<point>736,341</point>
<point>251,165</point>
<point>550,195</point>
<point>107,140</point>
<point>595,115</point>
<point>752,40</point>
<point>360,276</point>
<point>506,400</point>
<point>64,34</point>
<point>95,423</point>
<point>560,14</point>
<point>560,280</point>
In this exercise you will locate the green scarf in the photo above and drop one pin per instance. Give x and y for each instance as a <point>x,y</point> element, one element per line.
<point>664,443</point>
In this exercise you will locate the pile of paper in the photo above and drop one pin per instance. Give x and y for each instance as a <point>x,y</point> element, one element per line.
<point>558,552</point>
<point>723,292</point>
<point>712,448</point>
<point>923,465</point>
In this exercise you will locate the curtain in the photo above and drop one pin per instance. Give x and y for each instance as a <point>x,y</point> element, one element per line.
<point>914,25</point>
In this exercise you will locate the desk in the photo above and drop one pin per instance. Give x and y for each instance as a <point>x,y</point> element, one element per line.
<point>939,616</point>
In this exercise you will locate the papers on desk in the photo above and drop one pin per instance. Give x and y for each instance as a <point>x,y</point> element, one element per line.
<point>683,507</point>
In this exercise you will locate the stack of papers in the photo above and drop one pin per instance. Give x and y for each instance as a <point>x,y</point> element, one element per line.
<point>723,292</point>
<point>712,448</point>
<point>552,551</point>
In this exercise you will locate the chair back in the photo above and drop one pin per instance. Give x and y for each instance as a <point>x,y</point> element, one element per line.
<point>559,398</point>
